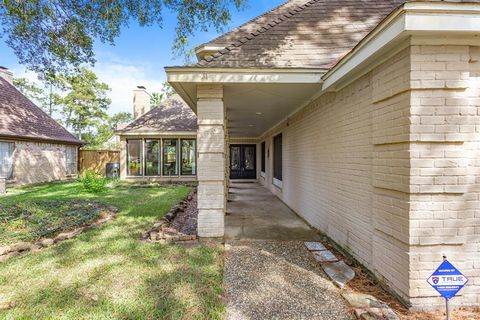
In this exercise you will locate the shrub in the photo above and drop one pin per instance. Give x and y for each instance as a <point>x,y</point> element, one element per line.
<point>93,182</point>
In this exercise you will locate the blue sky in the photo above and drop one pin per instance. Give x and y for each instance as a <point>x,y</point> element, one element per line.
<point>140,54</point>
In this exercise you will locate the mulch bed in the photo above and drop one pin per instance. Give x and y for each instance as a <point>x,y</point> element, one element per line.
<point>365,282</point>
<point>52,226</point>
<point>179,225</point>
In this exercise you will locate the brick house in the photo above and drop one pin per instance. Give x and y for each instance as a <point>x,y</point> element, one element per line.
<point>34,148</point>
<point>160,144</point>
<point>363,117</point>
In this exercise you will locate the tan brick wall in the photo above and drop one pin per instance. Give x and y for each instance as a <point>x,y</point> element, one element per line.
<point>389,167</point>
<point>445,167</point>
<point>212,160</point>
<point>37,162</point>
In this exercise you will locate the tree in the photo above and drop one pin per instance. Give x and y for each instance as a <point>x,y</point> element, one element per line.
<point>50,36</point>
<point>46,98</point>
<point>86,102</point>
<point>104,131</point>
<point>158,97</point>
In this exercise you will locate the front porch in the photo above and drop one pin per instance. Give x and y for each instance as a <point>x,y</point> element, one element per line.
<point>255,213</point>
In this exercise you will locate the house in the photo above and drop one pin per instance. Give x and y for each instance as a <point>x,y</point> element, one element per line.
<point>160,144</point>
<point>34,148</point>
<point>364,118</point>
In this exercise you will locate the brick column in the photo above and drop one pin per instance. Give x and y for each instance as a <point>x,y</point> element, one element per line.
<point>211,141</point>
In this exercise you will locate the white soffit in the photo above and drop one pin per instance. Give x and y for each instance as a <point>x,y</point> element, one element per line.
<point>412,18</point>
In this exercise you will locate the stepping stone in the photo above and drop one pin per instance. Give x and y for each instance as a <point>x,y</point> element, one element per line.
<point>324,256</point>
<point>376,314</point>
<point>339,272</point>
<point>363,301</point>
<point>315,246</point>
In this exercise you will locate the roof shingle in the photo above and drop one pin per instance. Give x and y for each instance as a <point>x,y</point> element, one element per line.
<point>21,118</point>
<point>172,115</point>
<point>300,34</point>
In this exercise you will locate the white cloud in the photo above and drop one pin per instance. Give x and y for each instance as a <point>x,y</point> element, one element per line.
<point>122,77</point>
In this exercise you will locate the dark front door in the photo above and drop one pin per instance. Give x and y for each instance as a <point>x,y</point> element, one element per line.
<point>243,161</point>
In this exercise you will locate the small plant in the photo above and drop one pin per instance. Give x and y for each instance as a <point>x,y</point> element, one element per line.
<point>93,182</point>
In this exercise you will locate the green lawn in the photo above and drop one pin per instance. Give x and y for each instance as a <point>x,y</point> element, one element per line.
<point>107,273</point>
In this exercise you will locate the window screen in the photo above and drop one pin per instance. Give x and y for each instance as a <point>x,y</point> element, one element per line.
<point>6,160</point>
<point>71,160</point>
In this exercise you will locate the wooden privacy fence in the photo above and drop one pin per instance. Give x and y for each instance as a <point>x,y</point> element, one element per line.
<point>97,160</point>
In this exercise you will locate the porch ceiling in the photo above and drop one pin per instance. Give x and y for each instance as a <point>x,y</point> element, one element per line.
<point>254,108</point>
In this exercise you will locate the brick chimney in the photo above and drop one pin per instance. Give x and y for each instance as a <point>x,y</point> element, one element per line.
<point>6,74</point>
<point>141,102</point>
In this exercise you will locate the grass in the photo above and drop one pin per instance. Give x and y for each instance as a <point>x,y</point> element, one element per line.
<point>107,273</point>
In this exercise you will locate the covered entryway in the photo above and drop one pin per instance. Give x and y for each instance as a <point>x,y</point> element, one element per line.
<point>243,161</point>
<point>255,213</point>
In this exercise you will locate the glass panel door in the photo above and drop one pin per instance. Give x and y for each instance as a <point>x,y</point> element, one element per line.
<point>243,162</point>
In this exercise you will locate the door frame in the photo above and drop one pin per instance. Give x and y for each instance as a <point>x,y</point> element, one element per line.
<point>253,175</point>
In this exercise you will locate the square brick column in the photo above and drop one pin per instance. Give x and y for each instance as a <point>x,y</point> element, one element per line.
<point>211,140</point>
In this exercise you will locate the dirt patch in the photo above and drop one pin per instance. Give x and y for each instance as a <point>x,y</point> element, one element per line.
<point>366,283</point>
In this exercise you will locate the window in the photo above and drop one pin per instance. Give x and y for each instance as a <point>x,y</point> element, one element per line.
<point>189,157</point>
<point>170,166</point>
<point>277,157</point>
<point>263,156</point>
<point>152,157</point>
<point>6,160</point>
<point>134,158</point>
<point>71,160</point>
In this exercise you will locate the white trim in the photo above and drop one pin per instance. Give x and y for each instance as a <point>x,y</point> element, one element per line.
<point>148,134</point>
<point>277,183</point>
<point>232,75</point>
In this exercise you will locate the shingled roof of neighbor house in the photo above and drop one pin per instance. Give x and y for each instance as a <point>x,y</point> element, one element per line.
<point>301,34</point>
<point>172,115</point>
<point>20,118</point>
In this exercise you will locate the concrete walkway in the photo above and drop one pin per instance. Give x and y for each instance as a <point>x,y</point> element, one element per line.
<point>269,274</point>
<point>255,213</point>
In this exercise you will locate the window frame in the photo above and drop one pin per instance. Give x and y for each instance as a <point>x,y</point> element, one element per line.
<point>278,152</point>
<point>71,164</point>
<point>177,163</point>
<point>181,157</point>
<point>263,160</point>
<point>12,173</point>
<point>160,157</point>
<point>142,169</point>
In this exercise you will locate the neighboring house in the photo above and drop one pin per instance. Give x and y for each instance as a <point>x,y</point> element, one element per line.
<point>34,148</point>
<point>364,117</point>
<point>160,144</point>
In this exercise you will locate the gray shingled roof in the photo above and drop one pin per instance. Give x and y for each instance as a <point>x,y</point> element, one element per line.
<point>172,115</point>
<point>22,119</point>
<point>300,34</point>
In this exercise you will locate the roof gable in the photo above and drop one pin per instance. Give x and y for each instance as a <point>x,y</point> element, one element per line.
<point>172,115</point>
<point>300,34</point>
<point>21,118</point>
